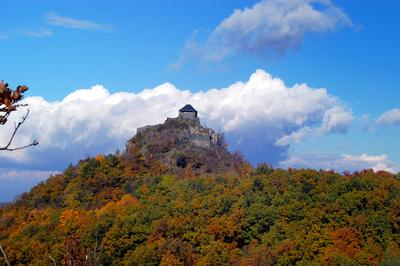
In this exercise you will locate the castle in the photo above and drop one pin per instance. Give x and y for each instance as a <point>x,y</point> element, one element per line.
<point>182,141</point>
<point>188,112</point>
<point>199,136</point>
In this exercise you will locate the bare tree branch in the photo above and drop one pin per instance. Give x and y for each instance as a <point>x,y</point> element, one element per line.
<point>16,127</point>
<point>10,102</point>
<point>53,260</point>
<point>4,255</point>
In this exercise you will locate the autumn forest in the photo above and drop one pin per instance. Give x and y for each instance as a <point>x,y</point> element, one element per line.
<point>120,209</point>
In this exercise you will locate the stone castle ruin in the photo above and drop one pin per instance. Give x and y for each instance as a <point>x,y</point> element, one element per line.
<point>188,112</point>
<point>199,135</point>
<point>183,141</point>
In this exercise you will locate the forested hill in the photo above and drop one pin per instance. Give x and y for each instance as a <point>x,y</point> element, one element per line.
<point>132,208</point>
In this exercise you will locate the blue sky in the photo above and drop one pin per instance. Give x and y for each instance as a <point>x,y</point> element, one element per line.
<point>350,49</point>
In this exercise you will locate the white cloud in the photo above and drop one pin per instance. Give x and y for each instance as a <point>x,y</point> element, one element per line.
<point>255,115</point>
<point>343,162</point>
<point>270,27</point>
<point>294,137</point>
<point>26,32</point>
<point>391,117</point>
<point>40,33</point>
<point>27,175</point>
<point>337,119</point>
<point>52,18</point>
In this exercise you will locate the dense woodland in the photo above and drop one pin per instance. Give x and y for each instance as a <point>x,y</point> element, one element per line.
<point>124,210</point>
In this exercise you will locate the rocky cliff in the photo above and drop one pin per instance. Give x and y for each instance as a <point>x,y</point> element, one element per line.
<point>181,143</point>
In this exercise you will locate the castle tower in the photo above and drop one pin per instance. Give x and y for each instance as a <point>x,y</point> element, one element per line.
<point>188,112</point>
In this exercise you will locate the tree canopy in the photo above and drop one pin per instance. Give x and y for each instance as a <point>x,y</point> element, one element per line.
<point>110,211</point>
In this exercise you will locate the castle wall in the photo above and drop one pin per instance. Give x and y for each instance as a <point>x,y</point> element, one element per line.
<point>201,140</point>
<point>141,129</point>
<point>187,115</point>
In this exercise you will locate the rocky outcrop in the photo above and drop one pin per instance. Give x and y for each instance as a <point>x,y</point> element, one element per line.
<point>181,143</point>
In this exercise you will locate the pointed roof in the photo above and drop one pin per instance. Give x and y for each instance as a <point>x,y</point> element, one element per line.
<point>188,108</point>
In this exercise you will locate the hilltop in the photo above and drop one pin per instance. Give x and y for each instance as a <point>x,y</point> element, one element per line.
<point>180,147</point>
<point>182,142</point>
<point>176,196</point>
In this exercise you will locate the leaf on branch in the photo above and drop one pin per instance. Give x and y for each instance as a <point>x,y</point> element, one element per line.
<point>9,102</point>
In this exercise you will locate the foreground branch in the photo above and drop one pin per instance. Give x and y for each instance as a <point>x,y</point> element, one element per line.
<point>4,255</point>
<point>16,127</point>
<point>53,260</point>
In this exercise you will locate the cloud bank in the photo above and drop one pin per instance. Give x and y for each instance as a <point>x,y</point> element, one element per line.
<point>27,175</point>
<point>341,162</point>
<point>262,117</point>
<point>269,28</point>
